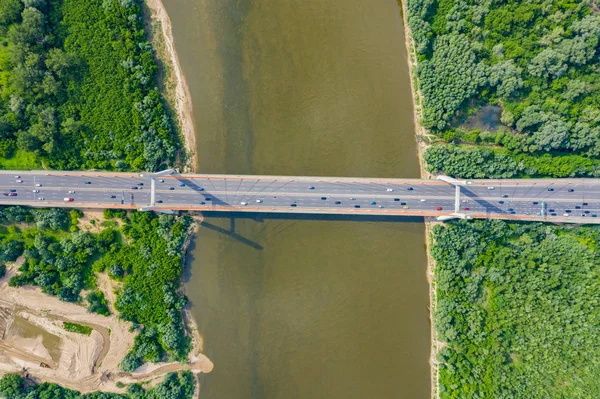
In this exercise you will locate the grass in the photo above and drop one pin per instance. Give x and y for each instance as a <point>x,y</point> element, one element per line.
<point>21,160</point>
<point>77,328</point>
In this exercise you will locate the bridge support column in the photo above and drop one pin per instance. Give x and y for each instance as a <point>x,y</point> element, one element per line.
<point>457,199</point>
<point>152,191</point>
<point>153,177</point>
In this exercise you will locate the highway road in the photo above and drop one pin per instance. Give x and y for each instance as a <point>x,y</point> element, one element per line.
<point>560,200</point>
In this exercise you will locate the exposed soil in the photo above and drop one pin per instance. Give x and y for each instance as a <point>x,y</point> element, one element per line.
<point>76,361</point>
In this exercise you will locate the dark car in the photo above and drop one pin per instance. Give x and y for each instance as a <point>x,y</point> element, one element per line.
<point>171,188</point>
<point>586,211</point>
<point>511,209</point>
<point>550,189</point>
<point>512,212</point>
<point>357,206</point>
<point>466,209</point>
<point>311,187</point>
<point>294,205</point>
<point>208,199</point>
<point>571,190</point>
<point>200,189</point>
<point>5,194</point>
<point>396,199</point>
<point>535,203</point>
<point>585,204</point>
<point>323,198</point>
<point>181,185</point>
<point>568,211</point>
<point>88,182</point>
<point>202,203</point>
<point>338,202</point>
<point>410,189</point>
<point>594,215</point>
<point>577,207</point>
<point>159,201</point>
<point>373,203</point>
<point>505,196</point>
<point>134,187</point>
<point>553,214</point>
<point>140,184</point>
<point>113,196</point>
<point>501,202</point>
<point>12,190</point>
<point>550,210</point>
<point>403,203</point>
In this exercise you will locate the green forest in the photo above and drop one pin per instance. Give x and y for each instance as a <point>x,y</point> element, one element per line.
<point>518,310</point>
<point>145,253</point>
<point>78,87</point>
<point>537,60</point>
<point>175,386</point>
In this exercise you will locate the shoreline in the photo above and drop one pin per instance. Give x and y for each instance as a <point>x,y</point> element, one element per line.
<point>422,137</point>
<point>175,87</point>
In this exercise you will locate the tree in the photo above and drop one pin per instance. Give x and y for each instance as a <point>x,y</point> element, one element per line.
<point>552,135</point>
<point>12,386</point>
<point>548,63</point>
<point>10,10</point>
<point>506,76</point>
<point>574,89</point>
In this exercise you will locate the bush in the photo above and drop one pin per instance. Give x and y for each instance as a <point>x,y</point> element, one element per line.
<point>97,303</point>
<point>77,328</point>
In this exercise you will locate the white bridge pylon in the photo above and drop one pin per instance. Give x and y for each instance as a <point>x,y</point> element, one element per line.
<point>457,184</point>
<point>153,177</point>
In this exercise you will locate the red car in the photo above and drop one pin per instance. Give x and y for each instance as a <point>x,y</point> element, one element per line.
<point>438,208</point>
<point>466,209</point>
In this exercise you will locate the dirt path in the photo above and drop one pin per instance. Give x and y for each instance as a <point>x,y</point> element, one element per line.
<point>424,138</point>
<point>179,93</point>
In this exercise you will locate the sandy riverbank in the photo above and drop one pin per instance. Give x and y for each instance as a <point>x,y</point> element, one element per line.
<point>174,84</point>
<point>32,334</point>
<point>423,138</point>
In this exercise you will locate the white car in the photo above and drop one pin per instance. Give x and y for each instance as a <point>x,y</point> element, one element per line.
<point>38,185</point>
<point>565,214</point>
<point>243,203</point>
<point>259,201</point>
<point>389,190</point>
<point>71,192</point>
<point>19,181</point>
<point>35,191</point>
<point>423,200</point>
<point>161,181</point>
<point>491,188</point>
<point>41,198</point>
<point>17,177</point>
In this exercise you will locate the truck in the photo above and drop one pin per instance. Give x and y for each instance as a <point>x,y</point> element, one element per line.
<point>66,199</point>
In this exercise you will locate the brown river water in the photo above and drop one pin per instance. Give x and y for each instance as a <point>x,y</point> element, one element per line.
<point>297,308</point>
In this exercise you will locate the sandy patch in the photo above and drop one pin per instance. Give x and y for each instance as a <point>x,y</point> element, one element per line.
<point>177,90</point>
<point>75,361</point>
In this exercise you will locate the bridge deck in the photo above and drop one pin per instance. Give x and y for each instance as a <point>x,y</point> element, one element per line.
<point>535,199</point>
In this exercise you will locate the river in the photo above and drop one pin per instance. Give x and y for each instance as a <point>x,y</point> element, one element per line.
<point>293,308</point>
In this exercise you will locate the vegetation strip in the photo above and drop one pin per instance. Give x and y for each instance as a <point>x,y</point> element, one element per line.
<point>77,328</point>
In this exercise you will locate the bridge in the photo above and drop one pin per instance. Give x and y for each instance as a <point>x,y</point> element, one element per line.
<point>555,200</point>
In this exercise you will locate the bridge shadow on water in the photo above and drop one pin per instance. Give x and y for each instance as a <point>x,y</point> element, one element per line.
<point>386,221</point>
